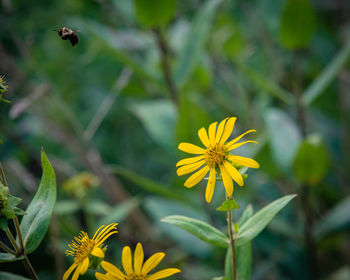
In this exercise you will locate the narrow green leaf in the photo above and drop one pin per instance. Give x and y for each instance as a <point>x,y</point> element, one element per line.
<point>195,42</point>
<point>255,224</point>
<point>297,24</point>
<point>118,213</point>
<point>284,137</point>
<point>248,212</point>
<point>311,161</point>
<point>228,204</point>
<point>148,184</point>
<point>6,257</point>
<point>38,214</point>
<point>328,74</point>
<point>153,13</point>
<point>199,229</point>
<point>10,276</point>
<point>336,219</point>
<point>262,83</point>
<point>66,207</point>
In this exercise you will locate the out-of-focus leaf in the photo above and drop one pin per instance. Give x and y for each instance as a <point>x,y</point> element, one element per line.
<point>158,118</point>
<point>263,83</point>
<point>255,224</point>
<point>66,207</point>
<point>327,75</point>
<point>243,253</point>
<point>10,276</point>
<point>341,274</point>
<point>195,42</point>
<point>284,136</point>
<point>148,184</point>
<point>219,278</point>
<point>336,219</point>
<point>118,213</point>
<point>38,214</point>
<point>6,257</point>
<point>153,13</point>
<point>311,161</point>
<point>97,207</point>
<point>199,229</point>
<point>297,24</point>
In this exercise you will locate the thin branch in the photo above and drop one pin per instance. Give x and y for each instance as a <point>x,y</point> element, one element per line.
<point>7,249</point>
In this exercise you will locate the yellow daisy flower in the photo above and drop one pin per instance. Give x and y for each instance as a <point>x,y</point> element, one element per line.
<point>140,270</point>
<point>83,247</point>
<point>215,158</point>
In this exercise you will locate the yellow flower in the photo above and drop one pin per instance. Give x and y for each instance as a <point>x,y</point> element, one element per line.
<point>83,247</point>
<point>140,270</point>
<point>215,158</point>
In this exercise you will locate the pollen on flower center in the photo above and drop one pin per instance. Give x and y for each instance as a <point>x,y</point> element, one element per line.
<point>136,277</point>
<point>215,155</point>
<point>82,246</point>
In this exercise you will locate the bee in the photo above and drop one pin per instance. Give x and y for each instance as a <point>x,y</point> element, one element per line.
<point>68,34</point>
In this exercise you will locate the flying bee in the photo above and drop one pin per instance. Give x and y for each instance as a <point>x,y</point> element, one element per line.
<point>68,34</point>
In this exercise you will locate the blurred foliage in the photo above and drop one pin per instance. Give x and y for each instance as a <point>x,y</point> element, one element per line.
<point>281,67</point>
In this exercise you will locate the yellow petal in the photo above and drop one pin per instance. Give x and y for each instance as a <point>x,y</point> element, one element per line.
<point>248,162</point>
<point>220,130</point>
<point>239,137</point>
<point>126,260</point>
<point>163,273</point>
<point>190,148</point>
<point>228,130</point>
<point>76,273</point>
<point>235,146</point>
<point>189,168</point>
<point>138,258</point>
<point>97,251</point>
<point>110,268</point>
<point>196,177</point>
<point>212,131</point>
<point>226,178</point>
<point>84,266</point>
<point>69,271</point>
<point>189,160</point>
<point>105,231</point>
<point>203,136</point>
<point>210,186</point>
<point>152,262</point>
<point>234,173</point>
<point>101,276</point>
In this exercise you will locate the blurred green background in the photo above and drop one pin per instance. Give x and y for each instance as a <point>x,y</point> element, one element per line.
<point>147,75</point>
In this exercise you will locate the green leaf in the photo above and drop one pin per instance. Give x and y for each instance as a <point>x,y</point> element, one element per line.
<point>10,276</point>
<point>284,137</point>
<point>158,118</point>
<point>120,212</point>
<point>328,74</point>
<point>297,24</point>
<point>228,204</point>
<point>195,42</point>
<point>248,212</point>
<point>66,207</point>
<point>3,223</point>
<point>199,229</point>
<point>154,13</point>
<point>36,222</point>
<point>336,219</point>
<point>6,257</point>
<point>244,262</point>
<point>312,161</point>
<point>255,224</point>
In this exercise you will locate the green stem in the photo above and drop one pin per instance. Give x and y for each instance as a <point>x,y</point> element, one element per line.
<point>13,241</point>
<point>232,243</point>
<point>18,231</point>
<point>7,249</point>
<point>29,267</point>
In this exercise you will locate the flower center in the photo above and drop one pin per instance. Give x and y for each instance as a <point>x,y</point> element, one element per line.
<point>135,277</point>
<point>82,248</point>
<point>215,155</point>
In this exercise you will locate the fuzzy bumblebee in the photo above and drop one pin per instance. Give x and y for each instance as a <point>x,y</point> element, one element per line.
<point>68,34</point>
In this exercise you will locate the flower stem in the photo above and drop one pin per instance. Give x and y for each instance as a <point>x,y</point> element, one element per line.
<point>13,241</point>
<point>232,243</point>
<point>7,249</point>
<point>29,267</point>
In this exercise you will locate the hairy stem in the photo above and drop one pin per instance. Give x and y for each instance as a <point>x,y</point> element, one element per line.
<point>232,243</point>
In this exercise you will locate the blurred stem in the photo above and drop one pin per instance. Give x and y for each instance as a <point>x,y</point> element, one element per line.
<point>20,251</point>
<point>232,243</point>
<point>7,249</point>
<point>305,191</point>
<point>164,53</point>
